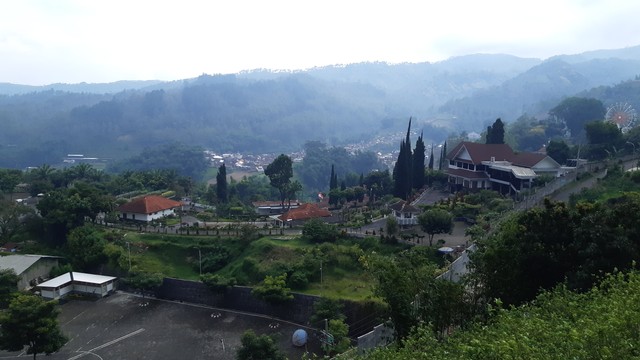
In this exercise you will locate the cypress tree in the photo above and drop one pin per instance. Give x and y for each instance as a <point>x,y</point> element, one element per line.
<point>431,159</point>
<point>443,156</point>
<point>222,192</point>
<point>402,170</point>
<point>495,133</point>
<point>418,163</point>
<point>333,181</point>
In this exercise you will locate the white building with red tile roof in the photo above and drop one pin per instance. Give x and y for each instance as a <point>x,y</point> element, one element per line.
<point>148,208</point>
<point>476,166</point>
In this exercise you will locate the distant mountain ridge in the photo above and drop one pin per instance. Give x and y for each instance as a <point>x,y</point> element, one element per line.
<point>276,111</point>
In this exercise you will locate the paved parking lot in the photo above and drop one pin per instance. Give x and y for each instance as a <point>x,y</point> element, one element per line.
<point>124,326</point>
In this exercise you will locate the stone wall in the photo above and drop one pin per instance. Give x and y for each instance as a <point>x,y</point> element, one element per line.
<point>237,298</point>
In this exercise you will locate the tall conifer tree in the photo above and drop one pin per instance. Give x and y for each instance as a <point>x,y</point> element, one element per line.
<point>418,163</point>
<point>333,181</point>
<point>402,170</point>
<point>431,159</point>
<point>222,192</point>
<point>443,156</point>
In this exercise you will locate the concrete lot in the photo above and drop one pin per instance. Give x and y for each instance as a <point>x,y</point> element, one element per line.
<point>125,326</point>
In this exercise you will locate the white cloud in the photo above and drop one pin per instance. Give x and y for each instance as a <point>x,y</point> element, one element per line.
<point>72,41</point>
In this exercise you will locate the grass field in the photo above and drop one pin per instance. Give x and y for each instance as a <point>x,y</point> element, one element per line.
<point>341,274</point>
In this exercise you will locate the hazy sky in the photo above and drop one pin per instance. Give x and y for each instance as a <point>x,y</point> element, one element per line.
<point>49,41</point>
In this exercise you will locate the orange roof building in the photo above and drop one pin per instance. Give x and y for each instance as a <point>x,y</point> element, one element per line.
<point>148,208</point>
<point>303,213</point>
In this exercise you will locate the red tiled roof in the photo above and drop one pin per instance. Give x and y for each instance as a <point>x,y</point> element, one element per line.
<point>305,211</point>
<point>527,159</point>
<point>483,152</point>
<point>468,174</point>
<point>148,205</point>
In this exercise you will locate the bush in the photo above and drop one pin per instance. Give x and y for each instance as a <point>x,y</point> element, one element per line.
<point>298,280</point>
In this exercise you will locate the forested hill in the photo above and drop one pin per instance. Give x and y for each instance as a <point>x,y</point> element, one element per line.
<point>264,111</point>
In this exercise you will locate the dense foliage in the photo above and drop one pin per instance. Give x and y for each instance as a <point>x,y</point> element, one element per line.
<point>598,324</point>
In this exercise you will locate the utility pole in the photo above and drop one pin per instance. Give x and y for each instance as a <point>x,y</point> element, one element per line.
<point>200,260</point>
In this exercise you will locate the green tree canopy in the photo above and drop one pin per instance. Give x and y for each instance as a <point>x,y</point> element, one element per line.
<point>280,172</point>
<point>258,347</point>
<point>317,231</point>
<point>435,221</point>
<point>86,248</point>
<point>8,285</point>
<point>407,283</point>
<point>559,325</point>
<point>559,151</point>
<point>32,322</point>
<point>576,112</point>
<point>273,289</point>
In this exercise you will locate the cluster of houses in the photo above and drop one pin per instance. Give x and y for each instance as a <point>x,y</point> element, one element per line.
<point>471,167</point>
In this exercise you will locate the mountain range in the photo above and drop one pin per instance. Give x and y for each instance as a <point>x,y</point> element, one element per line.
<point>267,111</point>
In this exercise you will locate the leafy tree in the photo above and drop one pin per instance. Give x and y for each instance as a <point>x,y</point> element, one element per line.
<point>10,215</point>
<point>262,347</point>
<point>9,178</point>
<point>495,132</point>
<point>145,282</point>
<point>222,192</point>
<point>559,151</point>
<point>558,325</point>
<point>217,283</point>
<point>86,248</point>
<point>391,225</point>
<point>435,221</point>
<point>317,231</point>
<point>576,112</point>
<point>292,189</point>
<point>280,172</point>
<point>340,333</point>
<point>30,321</point>
<point>407,283</point>
<point>604,138</point>
<point>379,183</point>
<point>273,289</point>
<point>8,285</point>
<point>326,308</point>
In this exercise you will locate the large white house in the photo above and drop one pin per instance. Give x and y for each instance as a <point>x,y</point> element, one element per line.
<point>475,166</point>
<point>148,208</point>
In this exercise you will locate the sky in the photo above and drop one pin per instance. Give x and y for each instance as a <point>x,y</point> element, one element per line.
<point>72,41</point>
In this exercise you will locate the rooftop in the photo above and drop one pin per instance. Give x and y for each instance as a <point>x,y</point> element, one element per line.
<point>148,205</point>
<point>20,263</point>
<point>77,276</point>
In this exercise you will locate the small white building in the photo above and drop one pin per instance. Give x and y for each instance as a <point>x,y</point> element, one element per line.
<point>77,283</point>
<point>405,213</point>
<point>148,208</point>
